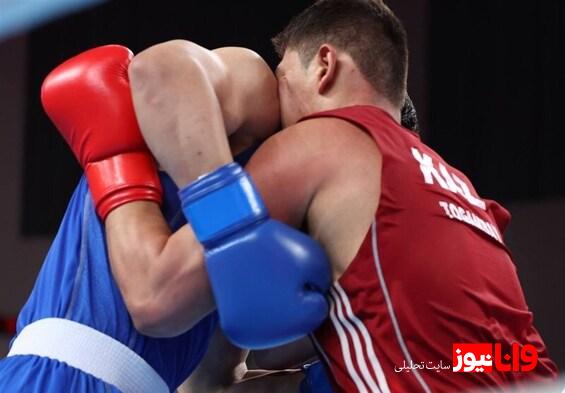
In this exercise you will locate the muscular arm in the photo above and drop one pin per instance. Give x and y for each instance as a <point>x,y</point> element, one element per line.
<point>161,275</point>
<point>322,175</point>
<point>192,96</point>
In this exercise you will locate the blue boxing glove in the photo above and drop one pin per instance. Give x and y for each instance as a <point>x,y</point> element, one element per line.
<point>268,279</point>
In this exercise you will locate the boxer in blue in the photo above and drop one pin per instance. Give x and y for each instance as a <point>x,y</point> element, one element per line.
<point>76,283</point>
<point>88,323</point>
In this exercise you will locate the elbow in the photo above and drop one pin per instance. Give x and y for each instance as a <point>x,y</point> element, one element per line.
<point>180,298</point>
<point>154,320</point>
<point>149,68</point>
<point>147,319</point>
<point>160,64</point>
<point>150,316</point>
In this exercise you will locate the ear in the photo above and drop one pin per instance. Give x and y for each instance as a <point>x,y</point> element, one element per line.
<point>327,67</point>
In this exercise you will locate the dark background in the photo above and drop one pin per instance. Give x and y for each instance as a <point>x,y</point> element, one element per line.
<point>486,78</point>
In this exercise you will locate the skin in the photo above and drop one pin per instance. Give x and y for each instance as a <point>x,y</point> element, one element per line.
<point>332,167</point>
<point>335,197</point>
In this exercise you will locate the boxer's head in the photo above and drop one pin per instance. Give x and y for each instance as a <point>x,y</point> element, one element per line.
<point>338,53</point>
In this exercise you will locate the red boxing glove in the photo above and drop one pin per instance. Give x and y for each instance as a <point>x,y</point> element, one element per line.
<point>88,99</point>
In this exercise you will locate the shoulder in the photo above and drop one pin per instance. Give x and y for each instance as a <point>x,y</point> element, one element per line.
<point>322,142</point>
<point>312,155</point>
<point>327,132</point>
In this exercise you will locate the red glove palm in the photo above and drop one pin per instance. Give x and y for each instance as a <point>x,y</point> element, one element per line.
<point>88,99</point>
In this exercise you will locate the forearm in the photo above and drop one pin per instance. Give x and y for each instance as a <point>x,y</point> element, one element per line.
<point>224,370</point>
<point>222,366</point>
<point>161,275</point>
<point>253,381</point>
<point>291,355</point>
<point>174,89</point>
<point>285,381</point>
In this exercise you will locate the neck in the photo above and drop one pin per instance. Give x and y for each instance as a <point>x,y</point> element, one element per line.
<point>360,99</point>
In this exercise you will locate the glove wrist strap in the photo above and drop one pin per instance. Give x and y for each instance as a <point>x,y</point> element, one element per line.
<point>121,179</point>
<point>221,202</point>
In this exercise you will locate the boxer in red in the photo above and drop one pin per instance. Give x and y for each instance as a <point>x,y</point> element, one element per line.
<point>428,267</point>
<point>418,257</point>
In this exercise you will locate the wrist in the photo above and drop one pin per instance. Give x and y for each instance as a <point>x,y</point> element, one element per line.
<point>221,203</point>
<point>121,179</point>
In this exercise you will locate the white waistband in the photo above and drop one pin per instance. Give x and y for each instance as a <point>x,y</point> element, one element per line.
<point>91,351</point>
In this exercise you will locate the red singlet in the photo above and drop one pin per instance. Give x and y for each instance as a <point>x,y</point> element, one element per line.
<point>432,271</point>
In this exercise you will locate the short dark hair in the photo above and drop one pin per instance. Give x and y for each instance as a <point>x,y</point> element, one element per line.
<point>366,29</point>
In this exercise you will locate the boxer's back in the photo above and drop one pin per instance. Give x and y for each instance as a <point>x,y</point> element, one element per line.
<point>76,283</point>
<point>431,269</point>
